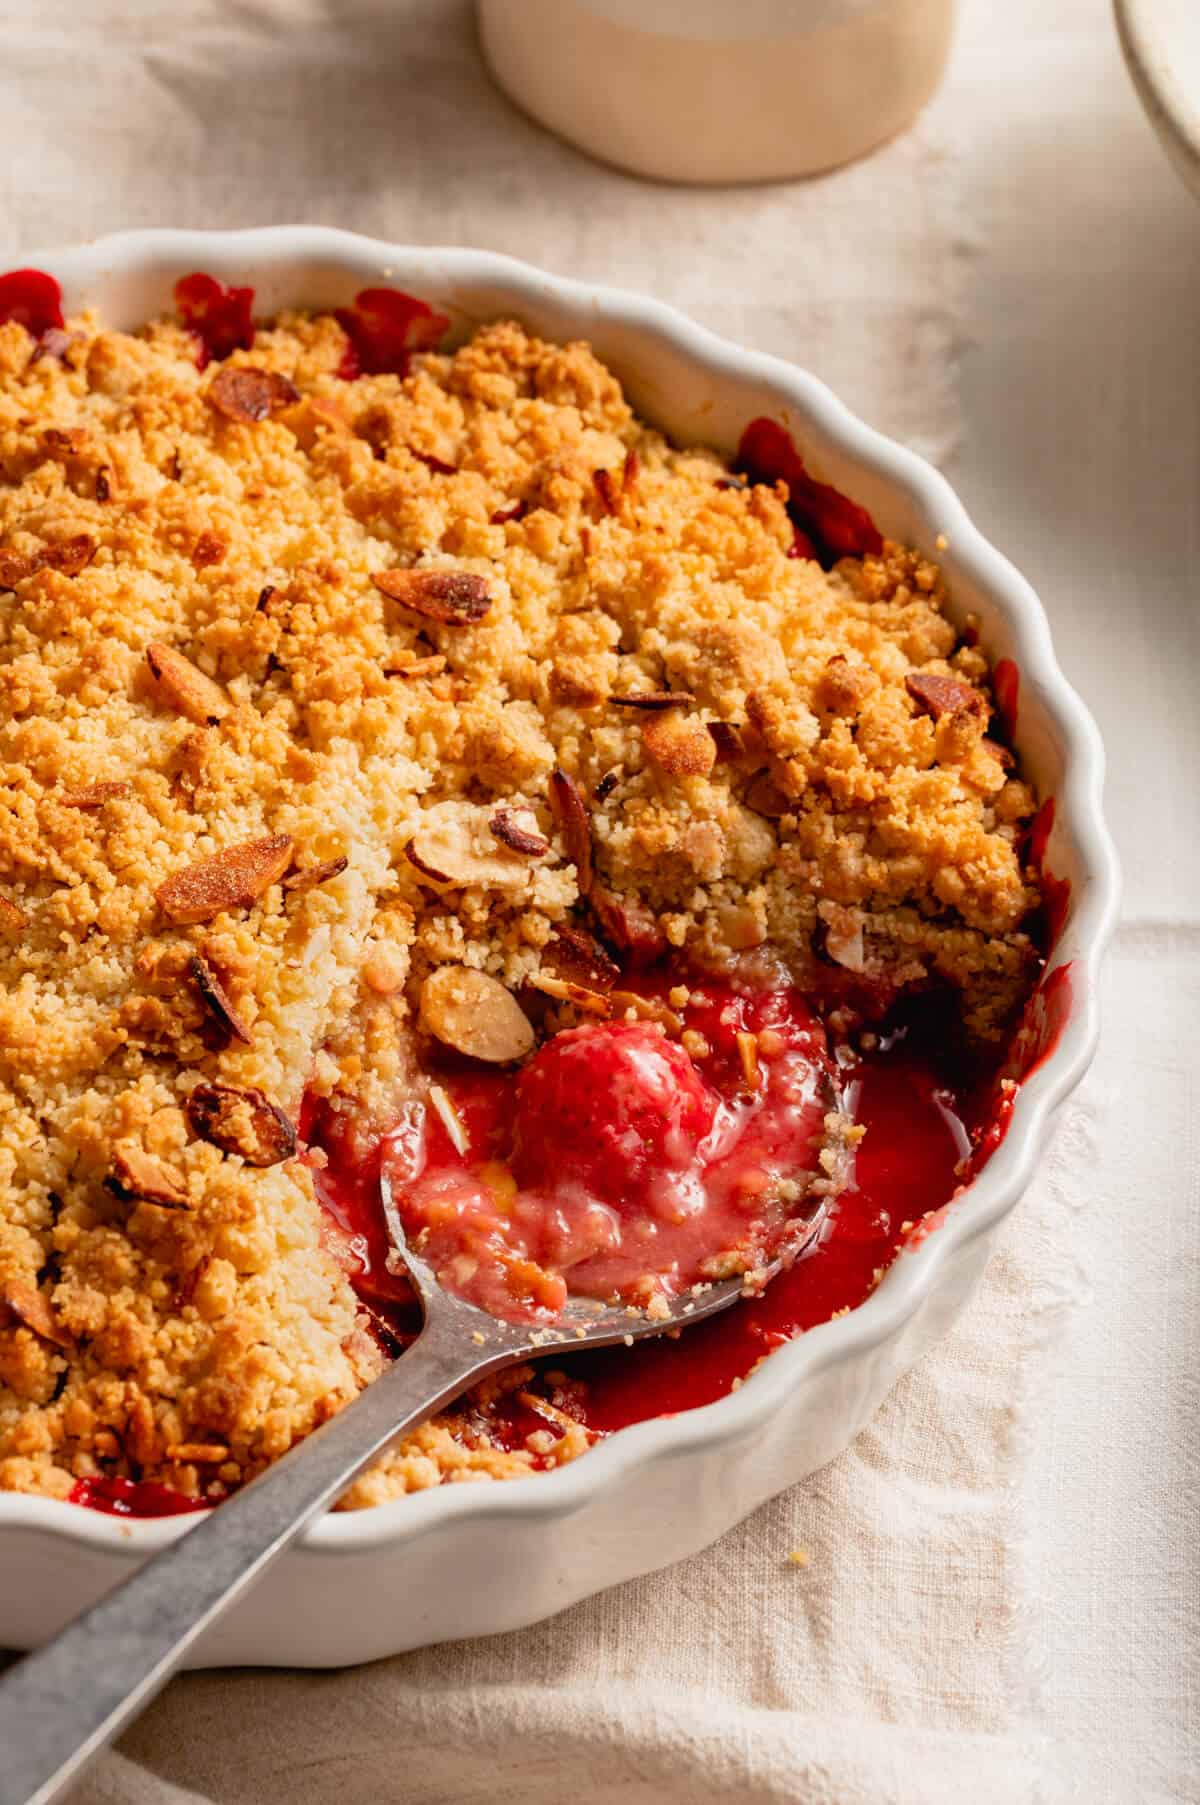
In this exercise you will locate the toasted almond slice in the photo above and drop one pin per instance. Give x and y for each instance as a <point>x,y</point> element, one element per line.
<point>727,740</point>
<point>844,936</point>
<point>185,688</point>
<point>233,878</point>
<point>309,876</point>
<point>69,556</point>
<point>940,696</point>
<point>241,1119</point>
<point>216,1000</point>
<point>199,1453</point>
<point>68,442</point>
<point>55,342</point>
<point>564,991</point>
<point>631,469</point>
<point>575,824</point>
<point>14,567</point>
<point>607,490</point>
<point>452,1122</point>
<point>765,797</point>
<point>577,956</point>
<point>455,598</point>
<point>747,1046</point>
<point>654,698</point>
<point>1001,754</point>
<point>248,394</point>
<point>628,924</point>
<point>454,844</point>
<point>647,1009</point>
<point>12,915</point>
<point>29,1306</point>
<point>136,1173</point>
<point>678,744</point>
<point>517,828</point>
<point>473,1013</point>
<point>93,795</point>
<point>420,667</point>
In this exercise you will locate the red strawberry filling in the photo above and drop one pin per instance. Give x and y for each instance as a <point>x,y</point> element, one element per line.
<point>617,1164</point>
<point>218,318</point>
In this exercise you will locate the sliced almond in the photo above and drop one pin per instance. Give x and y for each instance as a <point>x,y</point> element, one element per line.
<point>939,696</point>
<point>454,844</point>
<point>198,1453</point>
<point>653,698</point>
<point>631,469</point>
<point>679,745</point>
<point>309,876</point>
<point>93,795</point>
<point>185,688</point>
<point>243,1120</point>
<point>248,394</point>
<point>628,924</point>
<point>25,1304</point>
<point>577,956</point>
<point>55,342</point>
<point>14,567</point>
<point>565,991</point>
<point>136,1173</point>
<point>844,936</point>
<point>517,828</point>
<point>69,556</point>
<point>452,1122</point>
<point>727,740</point>
<point>455,598</point>
<point>209,549</point>
<point>765,797</point>
<point>420,667</point>
<point>233,878</point>
<point>475,1014</point>
<point>65,442</point>
<point>647,1009</point>
<point>12,915</point>
<point>608,490</point>
<point>216,1000</point>
<point>747,1046</point>
<point>574,823</point>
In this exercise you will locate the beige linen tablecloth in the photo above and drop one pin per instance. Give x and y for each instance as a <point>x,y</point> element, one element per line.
<point>999,1600</point>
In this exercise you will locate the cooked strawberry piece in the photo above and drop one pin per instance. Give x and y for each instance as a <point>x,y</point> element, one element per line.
<point>217,317</point>
<point>828,524</point>
<point>385,327</point>
<point>610,1107</point>
<point>33,299</point>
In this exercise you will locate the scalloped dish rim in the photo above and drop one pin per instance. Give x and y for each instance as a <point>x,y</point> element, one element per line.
<point>89,272</point>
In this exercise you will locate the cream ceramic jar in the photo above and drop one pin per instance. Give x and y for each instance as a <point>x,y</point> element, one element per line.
<point>719,90</point>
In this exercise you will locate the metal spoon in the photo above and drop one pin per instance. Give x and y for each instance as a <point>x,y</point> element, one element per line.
<point>60,1706</point>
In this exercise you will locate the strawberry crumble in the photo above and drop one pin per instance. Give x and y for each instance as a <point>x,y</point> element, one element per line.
<point>410,756</point>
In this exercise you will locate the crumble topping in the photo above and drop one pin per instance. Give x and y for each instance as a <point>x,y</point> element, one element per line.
<point>338,709</point>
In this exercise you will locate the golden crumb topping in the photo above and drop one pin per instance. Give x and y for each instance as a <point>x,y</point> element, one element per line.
<point>312,688</point>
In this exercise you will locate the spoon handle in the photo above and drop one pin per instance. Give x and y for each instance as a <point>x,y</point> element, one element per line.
<point>63,1704</point>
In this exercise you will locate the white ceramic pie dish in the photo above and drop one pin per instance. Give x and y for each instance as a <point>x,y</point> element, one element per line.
<point>470,1559</point>
<point>1161,43</point>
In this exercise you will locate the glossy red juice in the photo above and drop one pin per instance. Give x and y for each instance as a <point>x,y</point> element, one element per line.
<point>617,1163</point>
<point>921,1121</point>
<point>115,1497</point>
